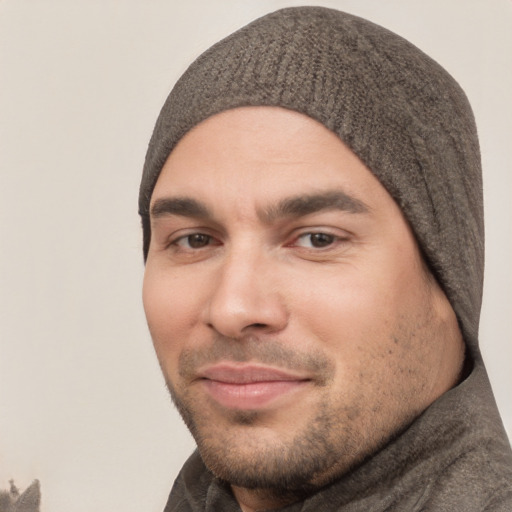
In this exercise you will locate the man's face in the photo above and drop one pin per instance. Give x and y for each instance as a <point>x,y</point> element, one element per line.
<point>291,313</point>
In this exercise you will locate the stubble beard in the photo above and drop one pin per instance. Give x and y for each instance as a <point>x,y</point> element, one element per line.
<point>243,455</point>
<point>280,467</point>
<point>335,435</point>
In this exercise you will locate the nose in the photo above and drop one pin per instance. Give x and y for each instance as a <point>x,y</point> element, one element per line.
<point>246,298</point>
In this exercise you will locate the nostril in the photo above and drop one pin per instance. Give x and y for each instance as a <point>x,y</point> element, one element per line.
<point>258,326</point>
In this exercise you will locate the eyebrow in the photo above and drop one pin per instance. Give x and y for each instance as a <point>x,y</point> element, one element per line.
<point>295,206</point>
<point>184,206</point>
<point>302,205</point>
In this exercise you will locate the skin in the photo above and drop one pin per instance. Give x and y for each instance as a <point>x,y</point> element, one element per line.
<point>339,297</point>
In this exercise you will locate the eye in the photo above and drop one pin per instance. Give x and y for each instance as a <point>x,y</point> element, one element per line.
<point>316,240</point>
<point>194,241</point>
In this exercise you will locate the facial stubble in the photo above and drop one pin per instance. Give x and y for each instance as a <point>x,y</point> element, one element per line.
<point>338,432</point>
<point>243,450</point>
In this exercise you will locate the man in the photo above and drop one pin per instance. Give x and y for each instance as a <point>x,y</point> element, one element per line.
<point>313,234</point>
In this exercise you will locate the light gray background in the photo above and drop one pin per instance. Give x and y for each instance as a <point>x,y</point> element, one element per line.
<point>82,404</point>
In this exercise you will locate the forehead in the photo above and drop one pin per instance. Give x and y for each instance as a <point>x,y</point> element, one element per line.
<point>261,154</point>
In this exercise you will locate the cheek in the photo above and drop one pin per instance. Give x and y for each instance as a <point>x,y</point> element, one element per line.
<point>373,329</point>
<point>344,309</point>
<point>357,314</point>
<point>171,313</point>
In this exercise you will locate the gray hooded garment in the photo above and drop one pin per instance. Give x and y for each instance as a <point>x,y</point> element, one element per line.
<point>411,124</point>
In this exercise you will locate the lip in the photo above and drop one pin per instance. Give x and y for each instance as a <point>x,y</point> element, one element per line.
<point>249,386</point>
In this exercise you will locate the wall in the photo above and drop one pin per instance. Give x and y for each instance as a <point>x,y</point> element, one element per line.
<point>82,404</point>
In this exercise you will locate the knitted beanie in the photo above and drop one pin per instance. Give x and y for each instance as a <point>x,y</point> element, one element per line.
<point>402,114</point>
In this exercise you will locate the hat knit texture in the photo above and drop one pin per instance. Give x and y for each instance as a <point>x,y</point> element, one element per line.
<point>403,115</point>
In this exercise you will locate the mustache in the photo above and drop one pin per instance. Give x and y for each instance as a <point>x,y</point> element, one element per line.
<point>252,349</point>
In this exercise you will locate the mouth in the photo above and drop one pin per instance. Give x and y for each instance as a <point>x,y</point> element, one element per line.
<point>250,386</point>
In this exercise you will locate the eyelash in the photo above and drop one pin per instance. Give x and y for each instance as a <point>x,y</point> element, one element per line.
<point>204,240</point>
<point>321,237</point>
<point>188,238</point>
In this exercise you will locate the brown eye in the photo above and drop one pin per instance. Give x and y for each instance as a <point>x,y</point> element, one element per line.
<point>321,239</point>
<point>316,240</point>
<point>198,240</point>
<point>194,241</point>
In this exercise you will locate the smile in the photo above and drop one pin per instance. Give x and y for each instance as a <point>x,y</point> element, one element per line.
<point>250,387</point>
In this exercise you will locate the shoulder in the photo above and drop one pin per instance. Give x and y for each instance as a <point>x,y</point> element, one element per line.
<point>189,491</point>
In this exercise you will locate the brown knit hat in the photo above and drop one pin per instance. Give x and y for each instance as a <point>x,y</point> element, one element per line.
<point>398,110</point>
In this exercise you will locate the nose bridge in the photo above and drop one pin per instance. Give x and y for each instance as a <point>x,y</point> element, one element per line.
<point>246,296</point>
